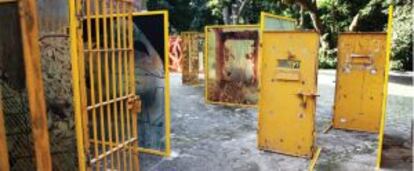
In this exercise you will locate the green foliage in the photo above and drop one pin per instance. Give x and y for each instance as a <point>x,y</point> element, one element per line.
<point>402,44</point>
<point>335,15</point>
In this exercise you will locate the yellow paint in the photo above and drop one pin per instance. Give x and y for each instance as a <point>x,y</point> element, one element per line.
<point>205,63</point>
<point>87,116</point>
<point>190,53</point>
<point>167,118</point>
<point>385,89</point>
<point>167,89</point>
<point>264,14</point>
<point>287,106</point>
<point>361,73</point>
<point>314,159</point>
<point>232,26</point>
<point>76,85</point>
<point>205,55</point>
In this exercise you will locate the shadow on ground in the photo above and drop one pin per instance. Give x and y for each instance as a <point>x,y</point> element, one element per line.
<point>208,137</point>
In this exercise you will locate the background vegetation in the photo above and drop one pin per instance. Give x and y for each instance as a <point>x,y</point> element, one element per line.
<point>329,17</point>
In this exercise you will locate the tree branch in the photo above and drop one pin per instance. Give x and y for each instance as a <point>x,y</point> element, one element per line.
<point>313,11</point>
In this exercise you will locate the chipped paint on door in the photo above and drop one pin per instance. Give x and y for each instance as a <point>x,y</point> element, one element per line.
<point>288,92</point>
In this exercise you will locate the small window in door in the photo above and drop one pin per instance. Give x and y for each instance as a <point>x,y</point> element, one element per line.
<point>288,70</point>
<point>288,64</point>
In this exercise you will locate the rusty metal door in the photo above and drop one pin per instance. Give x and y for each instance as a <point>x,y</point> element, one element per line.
<point>23,114</point>
<point>106,106</point>
<point>360,81</point>
<point>190,57</point>
<point>288,92</point>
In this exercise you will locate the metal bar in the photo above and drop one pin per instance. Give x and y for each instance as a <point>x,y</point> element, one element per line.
<point>34,83</point>
<point>111,151</point>
<point>100,93</point>
<point>137,149</point>
<point>120,83</point>
<point>118,21</point>
<point>385,89</point>
<point>76,84</point>
<point>314,159</point>
<point>91,76</point>
<point>83,94</point>
<point>108,50</point>
<point>167,88</point>
<point>126,79</point>
<point>114,95</point>
<point>106,75</point>
<point>132,84</point>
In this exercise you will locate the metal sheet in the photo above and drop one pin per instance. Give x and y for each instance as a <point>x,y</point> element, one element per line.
<point>288,92</point>
<point>152,80</point>
<point>360,81</point>
<point>191,57</point>
<point>231,56</point>
<point>271,22</point>
<point>23,100</point>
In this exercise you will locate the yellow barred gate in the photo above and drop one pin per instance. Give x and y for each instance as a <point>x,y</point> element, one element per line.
<point>104,84</point>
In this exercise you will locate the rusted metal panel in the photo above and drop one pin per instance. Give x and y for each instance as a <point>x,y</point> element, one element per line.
<point>190,60</point>
<point>360,81</point>
<point>288,93</point>
<point>23,99</point>
<point>231,64</point>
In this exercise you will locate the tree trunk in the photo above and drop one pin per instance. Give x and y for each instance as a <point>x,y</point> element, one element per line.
<point>241,6</point>
<point>226,15</point>
<point>302,18</point>
<point>354,23</point>
<point>313,12</point>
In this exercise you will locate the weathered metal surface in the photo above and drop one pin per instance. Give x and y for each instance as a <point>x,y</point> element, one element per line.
<point>152,80</point>
<point>104,84</point>
<point>190,60</point>
<point>271,22</point>
<point>231,64</point>
<point>288,93</point>
<point>360,81</point>
<point>22,88</point>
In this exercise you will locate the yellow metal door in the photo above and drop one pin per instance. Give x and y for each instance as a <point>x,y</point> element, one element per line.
<point>360,81</point>
<point>106,106</point>
<point>152,81</point>
<point>190,58</point>
<point>23,114</point>
<point>287,94</point>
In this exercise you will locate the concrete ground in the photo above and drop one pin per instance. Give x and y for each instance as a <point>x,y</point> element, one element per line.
<point>210,137</point>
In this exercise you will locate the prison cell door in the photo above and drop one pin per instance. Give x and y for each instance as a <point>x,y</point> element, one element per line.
<point>104,86</point>
<point>288,91</point>
<point>190,57</point>
<point>360,81</point>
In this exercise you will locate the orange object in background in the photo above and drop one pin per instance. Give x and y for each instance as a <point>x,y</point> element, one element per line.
<point>175,55</point>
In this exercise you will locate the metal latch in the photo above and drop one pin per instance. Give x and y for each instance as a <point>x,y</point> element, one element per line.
<point>134,104</point>
<point>305,96</point>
